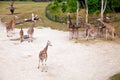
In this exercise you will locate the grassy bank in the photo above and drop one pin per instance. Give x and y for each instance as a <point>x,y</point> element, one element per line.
<point>25,9</point>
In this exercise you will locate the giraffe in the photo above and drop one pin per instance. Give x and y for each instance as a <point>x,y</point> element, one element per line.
<point>100,29</point>
<point>109,29</point>
<point>73,30</point>
<point>21,35</point>
<point>87,27</point>
<point>11,7</point>
<point>43,56</point>
<point>11,25</point>
<point>30,32</point>
<point>90,32</point>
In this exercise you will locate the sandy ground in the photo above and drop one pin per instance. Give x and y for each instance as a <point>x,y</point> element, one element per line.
<point>66,60</point>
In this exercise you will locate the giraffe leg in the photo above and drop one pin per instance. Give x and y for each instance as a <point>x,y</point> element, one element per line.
<point>21,39</point>
<point>42,66</point>
<point>76,33</point>
<point>88,34</point>
<point>7,33</point>
<point>113,36</point>
<point>70,34</point>
<point>106,34</point>
<point>93,35</point>
<point>45,65</point>
<point>29,38</point>
<point>39,64</point>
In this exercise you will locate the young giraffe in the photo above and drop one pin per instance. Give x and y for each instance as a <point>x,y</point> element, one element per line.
<point>11,7</point>
<point>30,32</point>
<point>21,35</point>
<point>11,25</point>
<point>87,27</point>
<point>43,56</point>
<point>73,30</point>
<point>109,29</point>
<point>90,31</point>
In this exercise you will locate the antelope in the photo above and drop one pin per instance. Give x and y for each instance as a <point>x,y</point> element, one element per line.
<point>30,32</point>
<point>21,35</point>
<point>109,29</point>
<point>11,25</point>
<point>43,56</point>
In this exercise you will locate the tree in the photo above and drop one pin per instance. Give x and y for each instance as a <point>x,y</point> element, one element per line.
<point>77,13</point>
<point>86,10</point>
<point>64,7</point>
<point>103,7</point>
<point>71,5</point>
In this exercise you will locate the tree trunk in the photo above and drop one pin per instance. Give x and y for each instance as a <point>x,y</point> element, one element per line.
<point>77,13</point>
<point>103,7</point>
<point>86,18</point>
<point>86,6</point>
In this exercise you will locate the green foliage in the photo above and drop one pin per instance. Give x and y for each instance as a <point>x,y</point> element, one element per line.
<point>58,0</point>
<point>97,12</point>
<point>93,5</point>
<point>115,77</point>
<point>56,3</point>
<point>72,5</point>
<point>17,0</point>
<point>53,6</point>
<point>64,7</point>
<point>115,5</point>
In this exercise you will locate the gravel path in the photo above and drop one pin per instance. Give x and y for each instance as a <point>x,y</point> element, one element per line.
<point>66,60</point>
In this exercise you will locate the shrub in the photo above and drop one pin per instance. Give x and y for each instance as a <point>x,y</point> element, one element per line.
<point>64,7</point>
<point>115,77</point>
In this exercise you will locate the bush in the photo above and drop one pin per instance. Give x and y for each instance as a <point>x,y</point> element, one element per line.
<point>115,77</point>
<point>53,6</point>
<point>64,7</point>
<point>72,5</point>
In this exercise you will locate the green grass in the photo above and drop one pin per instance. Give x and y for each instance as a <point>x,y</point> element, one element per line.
<point>25,9</point>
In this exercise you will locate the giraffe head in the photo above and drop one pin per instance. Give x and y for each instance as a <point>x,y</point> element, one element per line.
<point>15,17</point>
<point>49,43</point>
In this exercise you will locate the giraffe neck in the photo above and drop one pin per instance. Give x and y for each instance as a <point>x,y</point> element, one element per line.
<point>106,25</point>
<point>21,28</point>
<point>70,22</point>
<point>45,49</point>
<point>14,21</point>
<point>32,25</point>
